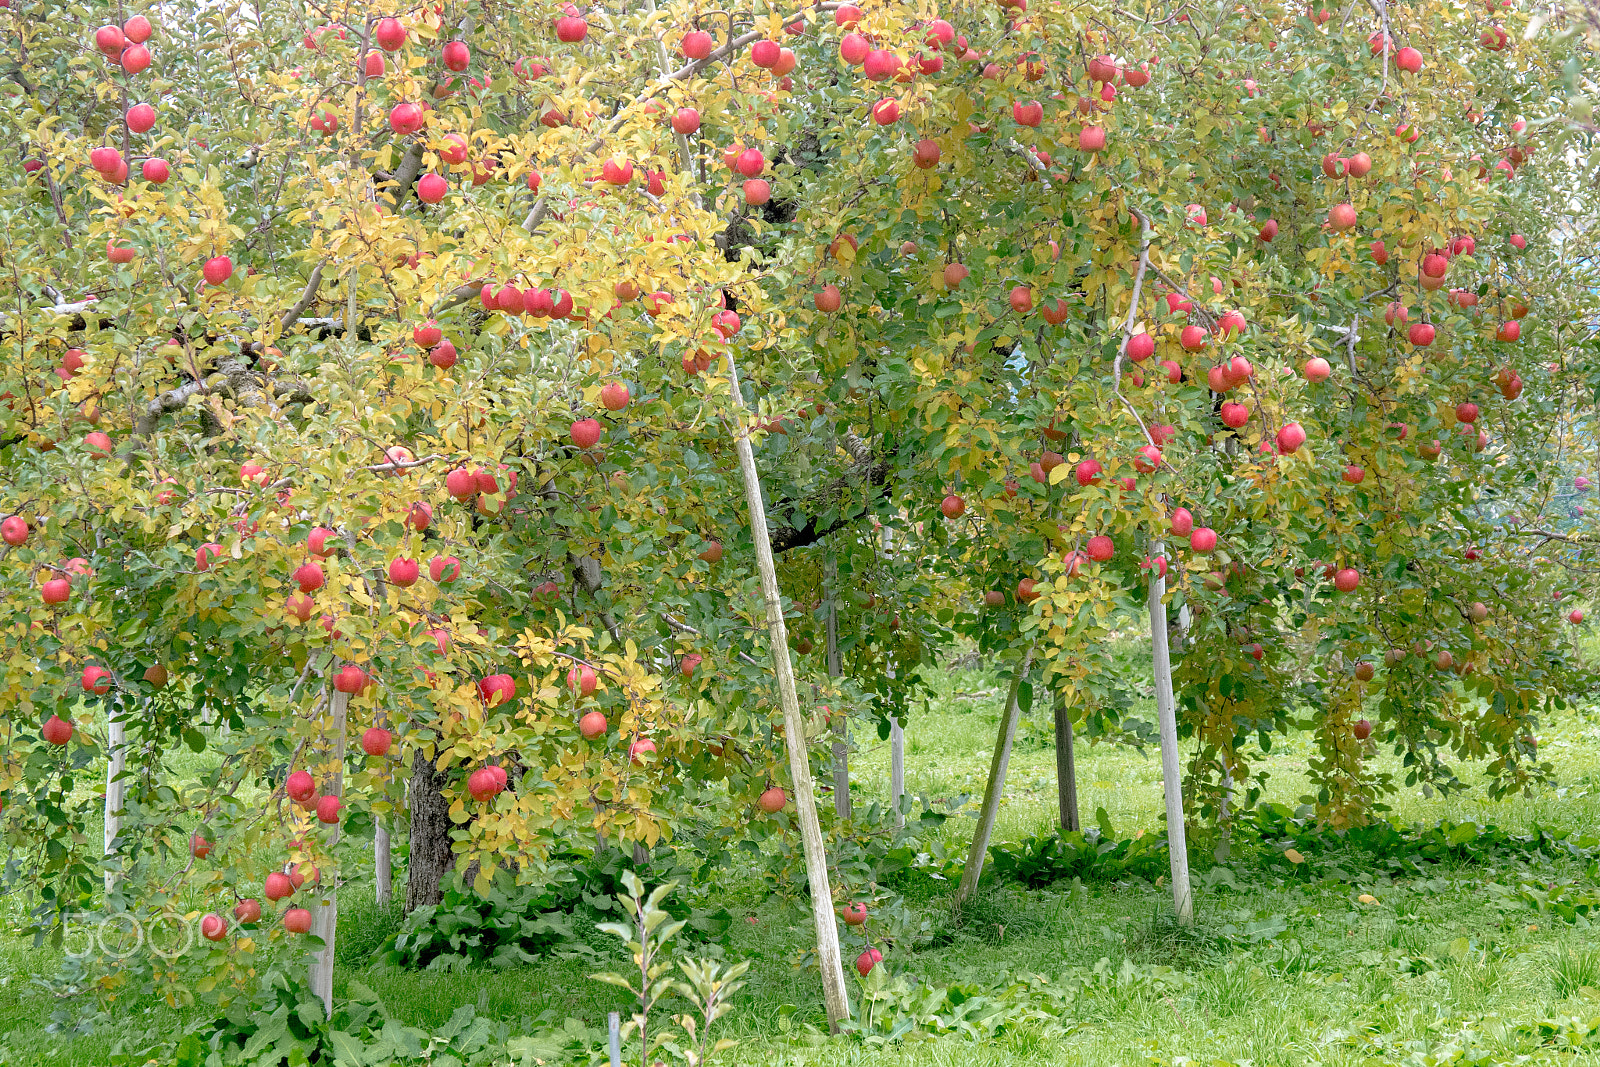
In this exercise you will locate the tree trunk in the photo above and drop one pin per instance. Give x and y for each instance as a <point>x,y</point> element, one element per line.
<point>997,784</point>
<point>1066,770</point>
<point>1171,771</point>
<point>325,904</point>
<point>835,996</point>
<point>430,859</point>
<point>840,721</point>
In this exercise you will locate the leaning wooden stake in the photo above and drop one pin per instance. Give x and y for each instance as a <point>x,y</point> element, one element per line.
<point>325,902</point>
<point>1171,771</point>
<point>835,996</point>
<point>997,785</point>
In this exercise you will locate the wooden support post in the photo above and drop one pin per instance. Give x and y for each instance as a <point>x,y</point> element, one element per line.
<point>325,896</point>
<point>835,996</point>
<point>897,769</point>
<point>1171,769</point>
<point>996,786</point>
<point>382,863</point>
<point>116,788</point>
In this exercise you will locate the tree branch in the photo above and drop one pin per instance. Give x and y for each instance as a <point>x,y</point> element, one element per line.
<point>870,472</point>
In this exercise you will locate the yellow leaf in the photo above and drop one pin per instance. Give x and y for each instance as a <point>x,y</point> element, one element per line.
<point>1293,857</point>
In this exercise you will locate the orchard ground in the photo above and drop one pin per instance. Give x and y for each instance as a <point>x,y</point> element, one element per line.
<point>1446,966</point>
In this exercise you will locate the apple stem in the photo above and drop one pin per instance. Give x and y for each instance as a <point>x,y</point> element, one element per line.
<point>835,996</point>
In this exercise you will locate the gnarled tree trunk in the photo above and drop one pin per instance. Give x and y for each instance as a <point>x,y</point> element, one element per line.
<point>431,858</point>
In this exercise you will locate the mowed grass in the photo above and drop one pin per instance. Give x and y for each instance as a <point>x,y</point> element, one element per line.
<point>1433,972</point>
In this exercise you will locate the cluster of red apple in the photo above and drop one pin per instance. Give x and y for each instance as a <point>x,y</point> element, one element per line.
<point>125,46</point>
<point>301,788</point>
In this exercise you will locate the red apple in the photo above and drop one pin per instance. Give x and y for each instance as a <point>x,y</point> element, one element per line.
<point>592,725</point>
<point>614,396</point>
<point>1347,579</point>
<point>389,34</point>
<point>582,680</point>
<point>217,270</point>
<point>300,787</point>
<point>953,506</point>
<point>404,571</point>
<point>56,731</point>
<point>640,749</point>
<point>1029,114</point>
<point>585,433</point>
<point>1203,540</point>
<point>278,886</point>
<point>14,530</point>
<point>376,741</point>
<point>96,680</point>
<point>486,783</point>
<point>308,576</point>
<point>328,809</point>
<point>696,44</point>
<point>570,29</point>
<point>350,679</point>
<point>772,800</point>
<point>497,689</point>
<point>444,569</point>
<point>868,960</point>
<point>297,921</point>
<point>213,927</point>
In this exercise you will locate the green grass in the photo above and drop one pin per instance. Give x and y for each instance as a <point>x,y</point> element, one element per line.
<point>1433,966</point>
